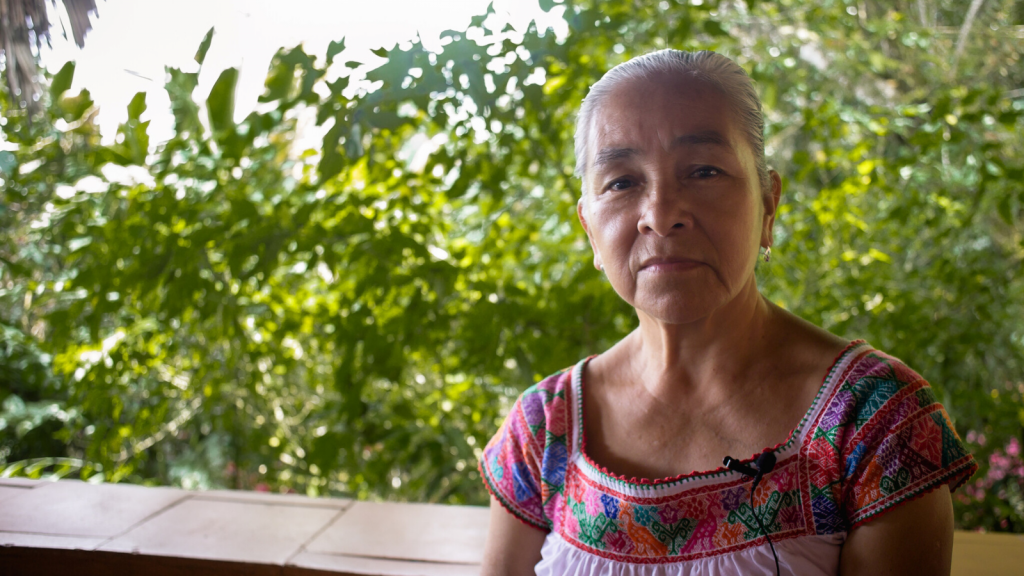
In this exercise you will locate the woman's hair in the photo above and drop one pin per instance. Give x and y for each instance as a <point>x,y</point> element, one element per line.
<point>705,66</point>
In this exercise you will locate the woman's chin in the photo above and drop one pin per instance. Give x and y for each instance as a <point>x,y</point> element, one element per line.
<point>679,308</point>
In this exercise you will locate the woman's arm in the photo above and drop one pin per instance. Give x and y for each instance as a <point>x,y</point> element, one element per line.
<point>915,538</point>
<point>512,548</point>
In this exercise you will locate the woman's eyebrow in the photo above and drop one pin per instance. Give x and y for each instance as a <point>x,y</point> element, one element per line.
<point>609,155</point>
<point>704,138</point>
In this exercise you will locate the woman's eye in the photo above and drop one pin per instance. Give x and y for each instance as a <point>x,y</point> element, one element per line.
<point>620,184</point>
<point>706,172</point>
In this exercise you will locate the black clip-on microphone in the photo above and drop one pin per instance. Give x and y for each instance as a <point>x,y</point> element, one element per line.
<point>765,463</point>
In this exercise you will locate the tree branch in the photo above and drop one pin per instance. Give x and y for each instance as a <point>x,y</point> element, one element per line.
<point>170,428</point>
<point>961,41</point>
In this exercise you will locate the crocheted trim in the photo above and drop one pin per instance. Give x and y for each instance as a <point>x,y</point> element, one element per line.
<point>954,477</point>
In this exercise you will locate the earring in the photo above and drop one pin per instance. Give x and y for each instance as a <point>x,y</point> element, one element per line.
<point>768,254</point>
<point>601,266</point>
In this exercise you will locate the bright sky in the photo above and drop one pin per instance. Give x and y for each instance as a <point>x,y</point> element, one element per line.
<point>132,41</point>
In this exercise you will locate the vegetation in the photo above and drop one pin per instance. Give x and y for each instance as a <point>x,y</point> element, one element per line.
<point>26,22</point>
<point>225,309</point>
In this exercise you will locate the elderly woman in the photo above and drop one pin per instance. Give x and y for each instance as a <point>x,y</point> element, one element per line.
<point>614,466</point>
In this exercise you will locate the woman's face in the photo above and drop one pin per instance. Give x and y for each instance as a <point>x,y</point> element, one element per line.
<point>676,215</point>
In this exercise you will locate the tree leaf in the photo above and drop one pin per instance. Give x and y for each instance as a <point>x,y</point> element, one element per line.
<point>61,81</point>
<point>333,49</point>
<point>204,47</point>
<point>221,101</point>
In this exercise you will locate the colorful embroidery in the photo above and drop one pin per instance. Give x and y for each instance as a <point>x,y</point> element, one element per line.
<point>875,437</point>
<point>531,443</point>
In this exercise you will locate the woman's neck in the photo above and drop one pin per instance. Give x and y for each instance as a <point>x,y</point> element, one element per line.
<point>674,359</point>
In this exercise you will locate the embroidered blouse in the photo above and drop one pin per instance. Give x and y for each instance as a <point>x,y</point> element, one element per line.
<point>874,437</point>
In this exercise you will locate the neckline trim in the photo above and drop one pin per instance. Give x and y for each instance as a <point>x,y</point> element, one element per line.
<point>580,440</point>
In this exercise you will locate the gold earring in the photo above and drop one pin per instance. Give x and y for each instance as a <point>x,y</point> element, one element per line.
<point>768,254</point>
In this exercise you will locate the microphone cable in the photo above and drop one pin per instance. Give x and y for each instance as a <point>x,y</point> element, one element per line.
<point>765,463</point>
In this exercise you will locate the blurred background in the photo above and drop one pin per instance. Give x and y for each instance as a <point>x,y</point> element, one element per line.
<point>319,247</point>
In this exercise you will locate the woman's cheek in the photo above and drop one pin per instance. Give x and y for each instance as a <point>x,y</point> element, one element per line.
<point>622,238</point>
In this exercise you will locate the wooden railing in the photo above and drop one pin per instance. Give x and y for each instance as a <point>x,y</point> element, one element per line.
<point>71,527</point>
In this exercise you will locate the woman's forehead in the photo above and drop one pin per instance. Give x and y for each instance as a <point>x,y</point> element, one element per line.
<point>666,110</point>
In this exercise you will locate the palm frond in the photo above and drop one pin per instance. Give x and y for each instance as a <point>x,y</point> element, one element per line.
<point>24,23</point>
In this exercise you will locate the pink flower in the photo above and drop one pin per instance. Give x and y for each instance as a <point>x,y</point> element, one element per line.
<point>572,526</point>
<point>976,491</point>
<point>592,500</point>
<point>784,479</point>
<point>999,465</point>
<point>1013,447</point>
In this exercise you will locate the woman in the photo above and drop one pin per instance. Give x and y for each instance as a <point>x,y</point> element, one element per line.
<point>614,466</point>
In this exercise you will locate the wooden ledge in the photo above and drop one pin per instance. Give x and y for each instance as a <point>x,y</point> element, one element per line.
<point>78,528</point>
<point>71,526</point>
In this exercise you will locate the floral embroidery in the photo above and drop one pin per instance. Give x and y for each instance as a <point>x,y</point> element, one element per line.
<point>874,437</point>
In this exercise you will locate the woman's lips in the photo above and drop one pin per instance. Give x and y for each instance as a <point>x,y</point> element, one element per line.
<point>660,265</point>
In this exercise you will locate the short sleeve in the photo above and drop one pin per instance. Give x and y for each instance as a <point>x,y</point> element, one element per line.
<point>524,464</point>
<point>900,442</point>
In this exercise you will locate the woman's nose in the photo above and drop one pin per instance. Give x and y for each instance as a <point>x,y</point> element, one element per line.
<point>664,209</point>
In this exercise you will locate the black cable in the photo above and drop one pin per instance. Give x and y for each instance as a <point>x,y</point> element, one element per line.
<point>753,510</point>
<point>764,463</point>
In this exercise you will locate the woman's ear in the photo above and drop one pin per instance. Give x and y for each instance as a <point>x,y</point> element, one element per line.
<point>581,212</point>
<point>771,207</point>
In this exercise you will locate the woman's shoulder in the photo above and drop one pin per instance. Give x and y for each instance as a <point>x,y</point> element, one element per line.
<point>871,379</point>
<point>889,437</point>
<point>541,410</point>
<point>860,379</point>
<point>880,401</point>
<point>557,383</point>
<point>547,395</point>
<point>524,463</point>
<point>865,384</point>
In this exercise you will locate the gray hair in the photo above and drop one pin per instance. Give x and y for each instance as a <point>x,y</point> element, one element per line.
<point>704,66</point>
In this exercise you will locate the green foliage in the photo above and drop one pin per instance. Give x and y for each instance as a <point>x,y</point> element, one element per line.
<point>225,309</point>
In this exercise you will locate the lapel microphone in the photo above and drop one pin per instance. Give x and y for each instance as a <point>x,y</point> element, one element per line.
<point>763,464</point>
